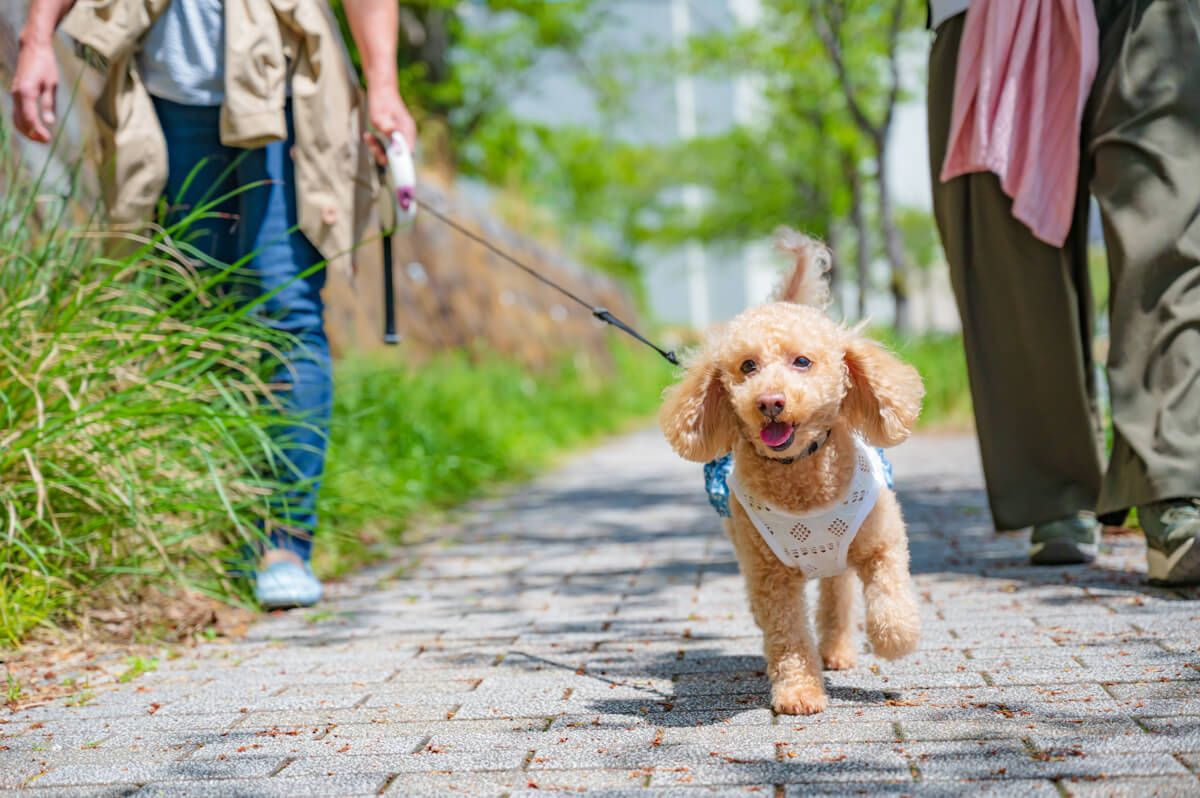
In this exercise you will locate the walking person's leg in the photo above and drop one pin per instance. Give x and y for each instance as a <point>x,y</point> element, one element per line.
<point>261,219</point>
<point>291,275</point>
<point>1026,310</point>
<point>1143,128</point>
<point>197,160</point>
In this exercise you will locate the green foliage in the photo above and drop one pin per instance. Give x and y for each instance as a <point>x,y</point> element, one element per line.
<point>132,411</point>
<point>137,666</point>
<point>412,439</point>
<point>13,689</point>
<point>920,236</point>
<point>1098,272</point>
<point>943,366</point>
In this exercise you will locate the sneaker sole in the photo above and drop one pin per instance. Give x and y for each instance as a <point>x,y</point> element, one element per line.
<point>1062,552</point>
<point>1180,568</point>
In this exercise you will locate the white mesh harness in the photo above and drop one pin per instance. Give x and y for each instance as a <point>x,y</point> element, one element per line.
<point>816,542</point>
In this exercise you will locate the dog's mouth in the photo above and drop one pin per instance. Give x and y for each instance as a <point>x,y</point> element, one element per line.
<point>778,435</point>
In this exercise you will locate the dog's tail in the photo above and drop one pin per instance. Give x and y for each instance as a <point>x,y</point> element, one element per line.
<point>808,283</point>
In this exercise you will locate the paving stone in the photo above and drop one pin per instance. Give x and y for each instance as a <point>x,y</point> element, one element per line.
<point>41,740</point>
<point>307,718</point>
<point>657,757</point>
<point>276,787</point>
<point>490,759</point>
<point>297,747</point>
<point>142,772</point>
<point>739,790</point>
<point>1178,787</point>
<point>1128,742</point>
<point>785,731</point>
<point>1015,788</point>
<point>1157,689</point>
<point>569,781</point>
<point>106,791</point>
<point>1160,707</point>
<point>980,728</point>
<point>883,766</point>
<point>547,743</point>
<point>1012,762</point>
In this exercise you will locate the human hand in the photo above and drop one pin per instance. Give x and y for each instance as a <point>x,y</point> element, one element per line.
<point>388,114</point>
<point>34,84</point>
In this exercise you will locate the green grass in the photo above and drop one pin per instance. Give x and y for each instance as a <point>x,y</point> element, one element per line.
<point>412,439</point>
<point>132,413</point>
<point>940,360</point>
<point>138,666</point>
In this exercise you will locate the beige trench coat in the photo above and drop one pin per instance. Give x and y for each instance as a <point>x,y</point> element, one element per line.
<point>336,179</point>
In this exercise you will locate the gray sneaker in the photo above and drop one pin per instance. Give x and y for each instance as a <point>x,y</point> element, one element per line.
<point>1172,530</point>
<point>1067,541</point>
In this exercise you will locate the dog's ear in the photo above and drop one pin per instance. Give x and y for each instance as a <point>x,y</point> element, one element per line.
<point>695,416</point>
<point>884,396</point>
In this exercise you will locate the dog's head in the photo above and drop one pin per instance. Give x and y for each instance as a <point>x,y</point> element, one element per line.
<point>782,374</point>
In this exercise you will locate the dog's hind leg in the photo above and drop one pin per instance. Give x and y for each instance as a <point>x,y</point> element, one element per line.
<point>835,621</point>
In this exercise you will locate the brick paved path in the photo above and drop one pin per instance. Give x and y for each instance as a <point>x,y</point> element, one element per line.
<point>590,633</point>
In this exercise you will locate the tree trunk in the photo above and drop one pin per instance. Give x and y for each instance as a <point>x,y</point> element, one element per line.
<point>863,248</point>
<point>893,242</point>
<point>834,240</point>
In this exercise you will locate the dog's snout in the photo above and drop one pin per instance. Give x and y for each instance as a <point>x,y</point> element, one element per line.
<point>771,404</point>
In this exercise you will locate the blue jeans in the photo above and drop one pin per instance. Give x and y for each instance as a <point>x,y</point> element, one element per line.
<point>262,220</point>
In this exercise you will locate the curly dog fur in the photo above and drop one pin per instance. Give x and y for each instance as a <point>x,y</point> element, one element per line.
<point>816,375</point>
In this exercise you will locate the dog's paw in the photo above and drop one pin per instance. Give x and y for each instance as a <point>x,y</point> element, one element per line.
<point>896,632</point>
<point>839,658</point>
<point>793,699</point>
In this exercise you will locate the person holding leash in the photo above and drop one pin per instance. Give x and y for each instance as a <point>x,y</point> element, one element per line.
<point>258,98</point>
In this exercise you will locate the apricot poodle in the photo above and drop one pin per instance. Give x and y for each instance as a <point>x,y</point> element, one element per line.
<point>801,400</point>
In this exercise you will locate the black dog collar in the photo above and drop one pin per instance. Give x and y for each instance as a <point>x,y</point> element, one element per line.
<point>812,448</point>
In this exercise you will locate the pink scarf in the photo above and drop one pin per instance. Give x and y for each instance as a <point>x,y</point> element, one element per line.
<point>1025,69</point>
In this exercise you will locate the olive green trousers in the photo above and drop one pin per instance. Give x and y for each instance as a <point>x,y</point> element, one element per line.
<point>1027,308</point>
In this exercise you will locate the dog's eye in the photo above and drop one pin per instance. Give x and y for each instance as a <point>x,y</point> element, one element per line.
<point>801,363</point>
<point>749,366</point>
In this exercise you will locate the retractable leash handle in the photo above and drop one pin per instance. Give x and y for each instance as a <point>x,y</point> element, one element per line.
<point>402,189</point>
<point>404,179</point>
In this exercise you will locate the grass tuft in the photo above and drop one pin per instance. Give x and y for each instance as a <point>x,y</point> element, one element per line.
<point>132,412</point>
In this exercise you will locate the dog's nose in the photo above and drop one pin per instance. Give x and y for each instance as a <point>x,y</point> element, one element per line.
<point>771,404</point>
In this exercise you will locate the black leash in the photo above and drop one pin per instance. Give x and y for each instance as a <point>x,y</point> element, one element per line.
<point>604,314</point>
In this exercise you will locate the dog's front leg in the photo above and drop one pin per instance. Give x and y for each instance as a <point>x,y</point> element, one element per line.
<point>776,595</point>
<point>880,555</point>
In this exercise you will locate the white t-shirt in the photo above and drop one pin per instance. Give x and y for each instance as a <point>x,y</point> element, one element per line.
<point>183,57</point>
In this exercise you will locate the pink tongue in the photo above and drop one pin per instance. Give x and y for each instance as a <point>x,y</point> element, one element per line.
<point>776,433</point>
